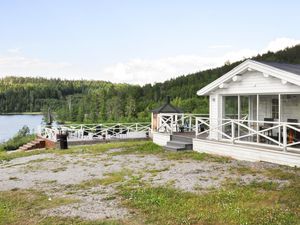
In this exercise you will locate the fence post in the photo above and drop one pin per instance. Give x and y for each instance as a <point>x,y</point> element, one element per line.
<point>136,127</point>
<point>172,121</point>
<point>284,136</point>
<point>232,131</point>
<point>197,129</point>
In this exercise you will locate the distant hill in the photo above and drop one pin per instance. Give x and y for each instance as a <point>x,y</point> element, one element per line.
<point>96,101</point>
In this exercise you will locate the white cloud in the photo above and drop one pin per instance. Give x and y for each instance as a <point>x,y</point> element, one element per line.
<point>219,46</point>
<point>135,71</point>
<point>280,43</point>
<point>16,64</point>
<point>14,50</point>
<point>142,71</point>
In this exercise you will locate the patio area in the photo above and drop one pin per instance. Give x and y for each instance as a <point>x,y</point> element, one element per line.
<point>263,120</point>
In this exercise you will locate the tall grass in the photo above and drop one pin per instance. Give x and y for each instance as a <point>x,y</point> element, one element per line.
<point>22,137</point>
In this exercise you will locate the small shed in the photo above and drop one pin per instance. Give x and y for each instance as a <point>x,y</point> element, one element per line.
<point>164,116</point>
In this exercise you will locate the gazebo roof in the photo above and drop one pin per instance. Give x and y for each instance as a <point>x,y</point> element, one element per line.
<point>167,108</point>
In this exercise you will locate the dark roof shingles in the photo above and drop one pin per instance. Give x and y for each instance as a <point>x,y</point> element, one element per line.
<point>292,68</point>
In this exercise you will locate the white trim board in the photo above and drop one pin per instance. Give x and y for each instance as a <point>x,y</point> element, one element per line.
<point>247,65</point>
<point>248,153</point>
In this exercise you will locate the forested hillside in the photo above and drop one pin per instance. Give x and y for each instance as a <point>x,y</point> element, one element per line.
<point>96,101</point>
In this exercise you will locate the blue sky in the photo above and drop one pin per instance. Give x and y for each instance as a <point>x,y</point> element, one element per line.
<point>138,41</point>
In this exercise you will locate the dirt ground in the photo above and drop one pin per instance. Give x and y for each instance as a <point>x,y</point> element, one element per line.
<point>61,176</point>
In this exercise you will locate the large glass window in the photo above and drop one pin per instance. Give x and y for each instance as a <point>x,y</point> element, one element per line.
<point>275,108</point>
<point>231,107</point>
<point>244,101</point>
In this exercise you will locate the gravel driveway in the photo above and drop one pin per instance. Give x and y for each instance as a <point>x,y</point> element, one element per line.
<point>57,175</point>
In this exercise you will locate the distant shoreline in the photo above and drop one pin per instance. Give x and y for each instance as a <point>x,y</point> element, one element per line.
<point>21,113</point>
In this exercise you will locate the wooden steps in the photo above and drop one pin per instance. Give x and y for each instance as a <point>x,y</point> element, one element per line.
<point>35,144</point>
<point>179,143</point>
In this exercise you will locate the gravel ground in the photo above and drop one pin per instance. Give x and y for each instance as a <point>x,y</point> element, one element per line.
<point>55,173</point>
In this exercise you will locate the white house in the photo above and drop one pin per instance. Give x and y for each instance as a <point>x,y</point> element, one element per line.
<point>254,114</point>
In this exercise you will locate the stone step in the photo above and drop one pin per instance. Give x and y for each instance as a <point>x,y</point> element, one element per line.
<point>29,145</point>
<point>22,148</point>
<point>179,144</point>
<point>182,139</point>
<point>174,148</point>
<point>38,143</point>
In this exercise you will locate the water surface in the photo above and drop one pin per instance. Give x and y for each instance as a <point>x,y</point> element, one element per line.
<point>11,124</point>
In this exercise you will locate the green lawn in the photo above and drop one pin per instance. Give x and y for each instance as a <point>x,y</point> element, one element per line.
<point>233,203</point>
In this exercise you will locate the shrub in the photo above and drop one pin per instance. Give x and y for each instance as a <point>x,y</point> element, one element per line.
<point>22,137</point>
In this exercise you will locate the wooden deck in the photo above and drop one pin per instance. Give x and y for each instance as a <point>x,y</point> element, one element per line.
<point>248,152</point>
<point>237,150</point>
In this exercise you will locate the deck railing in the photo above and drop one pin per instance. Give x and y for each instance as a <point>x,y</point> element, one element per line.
<point>97,131</point>
<point>170,123</point>
<point>283,135</point>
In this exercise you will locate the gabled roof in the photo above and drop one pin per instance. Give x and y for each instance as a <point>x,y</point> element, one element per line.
<point>167,108</point>
<point>286,72</point>
<point>292,68</point>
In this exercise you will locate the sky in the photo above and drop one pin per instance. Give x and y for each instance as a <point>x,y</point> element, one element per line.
<point>138,41</point>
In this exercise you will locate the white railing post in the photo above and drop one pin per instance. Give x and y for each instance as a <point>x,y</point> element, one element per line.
<point>136,127</point>
<point>284,136</point>
<point>172,121</point>
<point>232,131</point>
<point>197,129</point>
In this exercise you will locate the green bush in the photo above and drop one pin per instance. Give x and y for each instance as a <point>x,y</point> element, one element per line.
<point>22,137</point>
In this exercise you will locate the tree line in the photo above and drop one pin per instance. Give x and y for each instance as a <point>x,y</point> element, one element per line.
<point>85,101</point>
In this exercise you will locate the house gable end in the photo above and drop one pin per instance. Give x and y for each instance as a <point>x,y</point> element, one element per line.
<point>242,70</point>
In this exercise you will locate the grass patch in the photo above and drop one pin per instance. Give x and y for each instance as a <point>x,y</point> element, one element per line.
<point>50,182</point>
<point>100,148</point>
<point>91,149</point>
<point>240,205</point>
<point>22,137</point>
<point>244,170</point>
<point>16,142</point>
<point>14,178</point>
<point>291,174</point>
<point>39,160</point>
<point>4,156</point>
<point>144,147</point>
<point>196,156</point>
<point>110,178</point>
<point>24,206</point>
<point>130,147</point>
<point>148,147</point>
<point>59,169</point>
<point>156,171</point>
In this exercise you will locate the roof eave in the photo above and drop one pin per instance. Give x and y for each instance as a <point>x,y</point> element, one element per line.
<point>275,72</point>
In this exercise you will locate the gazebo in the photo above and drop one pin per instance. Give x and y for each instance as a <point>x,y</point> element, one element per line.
<point>165,117</point>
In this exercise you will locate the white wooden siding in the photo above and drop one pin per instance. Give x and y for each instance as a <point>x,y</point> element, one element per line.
<point>215,113</point>
<point>161,138</point>
<point>255,83</point>
<point>249,153</point>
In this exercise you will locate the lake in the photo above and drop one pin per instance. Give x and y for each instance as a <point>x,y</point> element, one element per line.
<point>11,124</point>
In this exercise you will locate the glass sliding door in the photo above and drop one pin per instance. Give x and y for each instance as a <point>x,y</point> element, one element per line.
<point>230,107</point>
<point>230,111</point>
<point>244,116</point>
